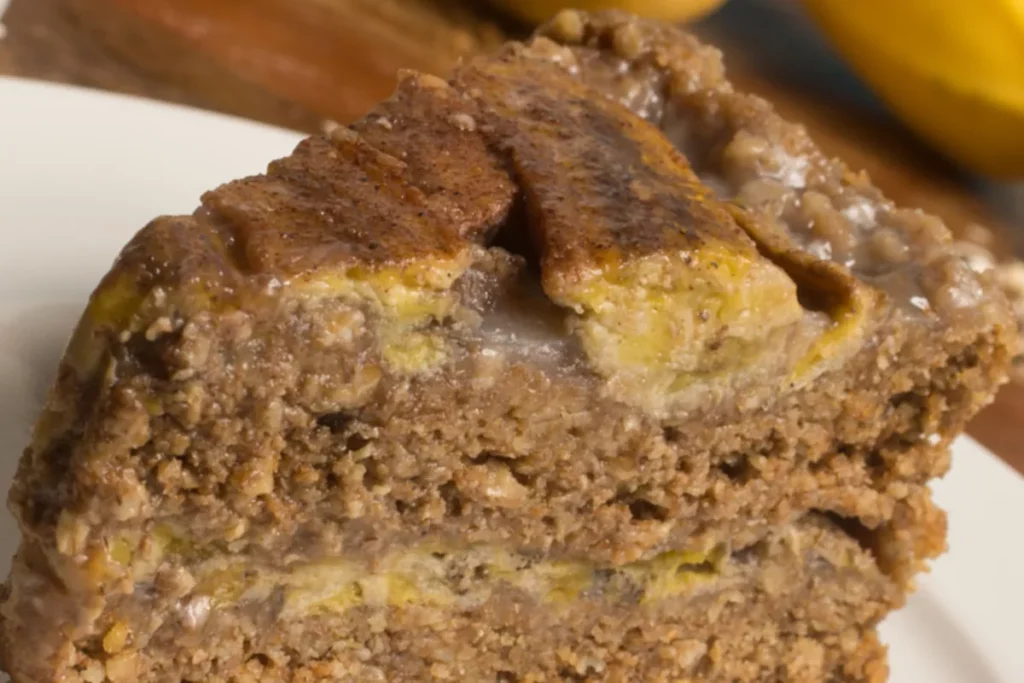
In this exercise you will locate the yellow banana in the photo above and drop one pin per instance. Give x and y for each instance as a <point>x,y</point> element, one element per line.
<point>536,11</point>
<point>951,69</point>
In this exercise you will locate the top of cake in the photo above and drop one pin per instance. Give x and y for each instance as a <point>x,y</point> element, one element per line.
<point>682,253</point>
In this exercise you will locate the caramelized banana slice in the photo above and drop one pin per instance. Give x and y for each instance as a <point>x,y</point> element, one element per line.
<point>433,130</point>
<point>666,287</point>
<point>731,139</point>
<point>339,210</point>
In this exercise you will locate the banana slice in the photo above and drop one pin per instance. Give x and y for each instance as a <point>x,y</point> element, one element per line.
<point>954,71</point>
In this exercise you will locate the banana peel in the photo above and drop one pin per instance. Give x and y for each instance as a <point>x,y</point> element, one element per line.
<point>537,11</point>
<point>952,70</point>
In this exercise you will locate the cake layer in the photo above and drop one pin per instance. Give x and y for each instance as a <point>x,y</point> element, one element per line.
<point>277,430</point>
<point>803,601</point>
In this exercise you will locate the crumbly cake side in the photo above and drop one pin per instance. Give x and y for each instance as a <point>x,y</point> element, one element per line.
<point>434,326</point>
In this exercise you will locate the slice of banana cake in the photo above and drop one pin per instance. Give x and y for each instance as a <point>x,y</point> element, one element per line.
<point>579,366</point>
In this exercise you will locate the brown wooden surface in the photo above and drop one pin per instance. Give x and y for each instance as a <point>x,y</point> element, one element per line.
<point>299,63</point>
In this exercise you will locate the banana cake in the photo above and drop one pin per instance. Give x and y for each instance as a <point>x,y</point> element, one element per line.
<point>577,366</point>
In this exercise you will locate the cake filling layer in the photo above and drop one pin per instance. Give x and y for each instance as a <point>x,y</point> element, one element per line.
<point>444,576</point>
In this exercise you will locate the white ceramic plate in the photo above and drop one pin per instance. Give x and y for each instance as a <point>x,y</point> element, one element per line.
<point>81,171</point>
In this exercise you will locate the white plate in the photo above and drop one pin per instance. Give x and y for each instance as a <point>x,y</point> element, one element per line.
<point>81,171</point>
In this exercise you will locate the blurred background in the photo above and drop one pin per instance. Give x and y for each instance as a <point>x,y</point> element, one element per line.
<point>926,95</point>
